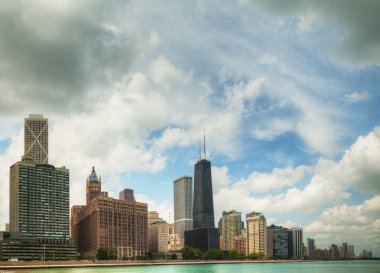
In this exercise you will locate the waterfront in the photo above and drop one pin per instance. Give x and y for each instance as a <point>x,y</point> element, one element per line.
<point>302,267</point>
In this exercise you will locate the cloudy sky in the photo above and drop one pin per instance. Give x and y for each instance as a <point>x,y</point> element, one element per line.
<point>287,91</point>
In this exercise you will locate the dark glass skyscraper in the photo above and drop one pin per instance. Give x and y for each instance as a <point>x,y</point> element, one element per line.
<point>203,207</point>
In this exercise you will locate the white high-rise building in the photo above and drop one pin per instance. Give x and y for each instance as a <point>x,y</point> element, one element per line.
<point>36,141</point>
<point>183,205</point>
<point>297,243</point>
<point>256,233</point>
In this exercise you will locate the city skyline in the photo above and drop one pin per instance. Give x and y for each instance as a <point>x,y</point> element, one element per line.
<point>288,95</point>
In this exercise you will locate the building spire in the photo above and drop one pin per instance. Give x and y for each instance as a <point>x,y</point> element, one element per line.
<point>204,142</point>
<point>200,153</point>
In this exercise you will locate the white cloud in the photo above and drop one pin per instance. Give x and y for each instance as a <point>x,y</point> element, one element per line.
<point>357,96</point>
<point>165,209</point>
<point>356,224</point>
<point>306,21</point>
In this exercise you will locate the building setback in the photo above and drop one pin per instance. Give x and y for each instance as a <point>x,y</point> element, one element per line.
<point>106,222</point>
<point>39,201</point>
<point>183,205</point>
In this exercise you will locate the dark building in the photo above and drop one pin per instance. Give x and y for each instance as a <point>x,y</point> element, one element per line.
<point>204,235</point>
<point>290,244</point>
<point>280,241</point>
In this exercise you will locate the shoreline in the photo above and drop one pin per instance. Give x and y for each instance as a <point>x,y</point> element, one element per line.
<point>74,264</point>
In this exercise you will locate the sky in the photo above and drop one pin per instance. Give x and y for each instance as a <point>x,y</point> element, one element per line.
<point>287,93</point>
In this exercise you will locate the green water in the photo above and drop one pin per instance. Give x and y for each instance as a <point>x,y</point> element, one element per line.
<point>305,267</point>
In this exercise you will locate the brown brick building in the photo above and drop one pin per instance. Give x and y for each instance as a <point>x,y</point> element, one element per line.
<point>110,223</point>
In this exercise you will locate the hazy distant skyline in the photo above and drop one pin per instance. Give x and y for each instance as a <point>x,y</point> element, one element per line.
<point>287,91</point>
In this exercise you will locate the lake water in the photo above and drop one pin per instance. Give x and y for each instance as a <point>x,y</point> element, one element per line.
<point>305,267</point>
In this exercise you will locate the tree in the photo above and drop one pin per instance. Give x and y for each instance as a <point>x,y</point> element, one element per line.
<point>255,256</point>
<point>214,254</point>
<point>189,253</point>
<point>102,254</point>
<point>174,256</point>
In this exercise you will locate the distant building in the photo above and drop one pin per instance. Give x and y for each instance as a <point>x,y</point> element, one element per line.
<point>157,234</point>
<point>36,138</point>
<point>204,235</point>
<point>7,227</point>
<point>105,222</point>
<point>310,248</point>
<point>350,252</point>
<point>256,233</point>
<point>280,241</point>
<point>175,242</point>
<point>269,253</point>
<point>183,205</point>
<point>241,242</point>
<point>229,227</point>
<point>334,253</point>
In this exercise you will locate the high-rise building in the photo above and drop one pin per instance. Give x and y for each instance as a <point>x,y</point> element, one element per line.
<point>183,205</point>
<point>269,254</point>
<point>230,226</point>
<point>310,244</point>
<point>109,223</point>
<point>204,235</point>
<point>127,195</point>
<point>241,242</point>
<point>39,201</point>
<point>157,234</point>
<point>295,241</point>
<point>256,233</point>
<point>36,141</point>
<point>350,252</point>
<point>280,241</point>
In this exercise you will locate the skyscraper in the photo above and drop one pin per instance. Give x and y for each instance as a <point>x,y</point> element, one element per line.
<point>296,243</point>
<point>280,241</point>
<point>36,140</point>
<point>230,226</point>
<point>310,248</point>
<point>39,201</point>
<point>204,235</point>
<point>256,233</point>
<point>183,205</point>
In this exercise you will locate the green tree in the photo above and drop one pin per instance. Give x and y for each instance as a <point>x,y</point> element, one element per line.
<point>214,254</point>
<point>102,254</point>
<point>189,253</point>
<point>174,256</point>
<point>234,254</point>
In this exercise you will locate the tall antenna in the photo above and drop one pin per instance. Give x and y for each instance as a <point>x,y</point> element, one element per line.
<point>200,153</point>
<point>204,142</point>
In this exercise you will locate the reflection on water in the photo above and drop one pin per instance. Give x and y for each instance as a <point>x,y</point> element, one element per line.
<point>304,267</point>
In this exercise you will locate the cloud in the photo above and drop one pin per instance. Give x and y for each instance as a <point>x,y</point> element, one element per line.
<point>359,41</point>
<point>357,96</point>
<point>357,224</point>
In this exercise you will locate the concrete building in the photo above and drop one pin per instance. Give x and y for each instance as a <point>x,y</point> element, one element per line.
<point>280,241</point>
<point>109,223</point>
<point>295,243</point>
<point>256,233</point>
<point>204,235</point>
<point>269,253</point>
<point>39,201</point>
<point>157,234</point>
<point>230,226</point>
<point>175,242</point>
<point>36,138</point>
<point>241,242</point>
<point>350,252</point>
<point>310,244</point>
<point>183,205</point>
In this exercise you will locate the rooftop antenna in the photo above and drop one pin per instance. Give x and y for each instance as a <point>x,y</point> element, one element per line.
<point>200,154</point>
<point>204,142</point>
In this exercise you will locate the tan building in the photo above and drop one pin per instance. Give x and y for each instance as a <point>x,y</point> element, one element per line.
<point>229,227</point>
<point>256,233</point>
<point>109,223</point>
<point>157,234</point>
<point>36,144</point>
<point>175,242</point>
<point>269,254</point>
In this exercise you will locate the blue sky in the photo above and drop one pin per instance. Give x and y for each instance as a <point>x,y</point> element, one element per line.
<point>287,91</point>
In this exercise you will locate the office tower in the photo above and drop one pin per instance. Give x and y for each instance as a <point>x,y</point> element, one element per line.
<point>256,233</point>
<point>183,205</point>
<point>310,244</point>
<point>110,223</point>
<point>36,141</point>
<point>344,248</point>
<point>295,243</point>
<point>93,187</point>
<point>39,201</point>
<point>127,195</point>
<point>157,234</point>
<point>280,241</point>
<point>204,234</point>
<point>229,227</point>
<point>334,253</point>
<point>350,252</point>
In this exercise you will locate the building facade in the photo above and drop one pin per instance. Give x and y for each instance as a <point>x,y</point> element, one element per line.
<point>39,201</point>
<point>36,138</point>
<point>157,234</point>
<point>230,226</point>
<point>105,222</point>
<point>296,241</point>
<point>280,241</point>
<point>310,244</point>
<point>256,233</point>
<point>183,205</point>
